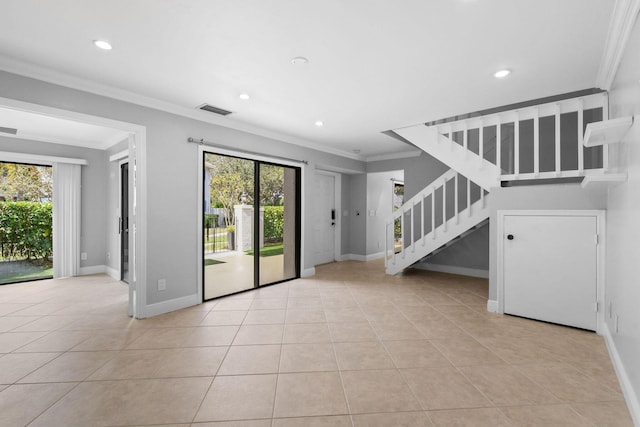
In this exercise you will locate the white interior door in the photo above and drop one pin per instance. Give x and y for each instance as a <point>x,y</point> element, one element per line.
<point>324,219</point>
<point>550,268</point>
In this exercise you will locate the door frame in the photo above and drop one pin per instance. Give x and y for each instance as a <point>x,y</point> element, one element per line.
<point>600,253</point>
<point>121,162</point>
<point>202,149</point>
<point>337,202</point>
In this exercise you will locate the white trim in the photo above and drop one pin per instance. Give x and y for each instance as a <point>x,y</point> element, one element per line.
<point>622,22</point>
<point>36,72</point>
<point>37,159</point>
<point>112,272</point>
<point>453,269</point>
<point>393,156</point>
<point>308,272</point>
<point>124,154</point>
<point>630,396</point>
<point>492,306</point>
<point>200,183</point>
<point>337,203</point>
<point>600,268</point>
<point>92,269</point>
<point>170,305</point>
<point>338,169</point>
<point>362,258</point>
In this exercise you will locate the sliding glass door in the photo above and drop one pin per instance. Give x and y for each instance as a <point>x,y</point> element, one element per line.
<point>251,224</point>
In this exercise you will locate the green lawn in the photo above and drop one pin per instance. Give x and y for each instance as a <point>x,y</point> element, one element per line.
<point>268,250</point>
<point>212,262</point>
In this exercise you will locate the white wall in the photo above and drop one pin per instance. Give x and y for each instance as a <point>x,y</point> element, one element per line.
<point>623,227</point>
<point>172,176</point>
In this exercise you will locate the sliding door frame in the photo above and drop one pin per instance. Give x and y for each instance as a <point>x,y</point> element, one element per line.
<point>258,159</point>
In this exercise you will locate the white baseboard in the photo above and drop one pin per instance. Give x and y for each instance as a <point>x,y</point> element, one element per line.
<point>168,306</point>
<point>630,395</point>
<point>363,258</point>
<point>492,306</point>
<point>93,269</point>
<point>112,272</point>
<point>452,269</point>
<point>308,272</point>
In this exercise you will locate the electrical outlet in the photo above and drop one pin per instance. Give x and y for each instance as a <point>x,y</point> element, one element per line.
<point>162,284</point>
<point>83,256</point>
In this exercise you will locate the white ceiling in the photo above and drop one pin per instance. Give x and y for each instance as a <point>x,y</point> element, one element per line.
<point>374,65</point>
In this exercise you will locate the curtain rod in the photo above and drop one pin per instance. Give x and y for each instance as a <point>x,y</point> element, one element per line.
<point>227,147</point>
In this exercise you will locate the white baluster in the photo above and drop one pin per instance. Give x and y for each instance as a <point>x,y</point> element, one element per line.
<point>516,149</point>
<point>499,146</point>
<point>465,142</point>
<point>605,147</point>
<point>433,212</point>
<point>455,200</point>
<point>557,129</point>
<point>386,244</point>
<point>422,236</point>
<point>413,208</point>
<point>444,205</point>
<point>536,143</point>
<point>580,136</point>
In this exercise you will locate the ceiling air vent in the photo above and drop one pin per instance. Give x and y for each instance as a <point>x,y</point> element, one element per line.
<point>11,131</point>
<point>212,109</point>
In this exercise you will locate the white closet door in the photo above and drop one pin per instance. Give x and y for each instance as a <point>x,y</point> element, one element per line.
<point>550,268</point>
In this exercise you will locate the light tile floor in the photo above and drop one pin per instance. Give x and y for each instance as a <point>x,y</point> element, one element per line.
<point>348,347</point>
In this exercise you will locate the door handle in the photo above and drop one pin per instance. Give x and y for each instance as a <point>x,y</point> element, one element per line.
<point>333,217</point>
<point>509,236</point>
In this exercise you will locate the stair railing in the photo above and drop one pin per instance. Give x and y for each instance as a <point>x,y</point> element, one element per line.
<point>559,147</point>
<point>427,213</point>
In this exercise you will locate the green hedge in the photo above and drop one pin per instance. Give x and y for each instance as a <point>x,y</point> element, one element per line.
<point>273,223</point>
<point>25,230</point>
<point>210,220</point>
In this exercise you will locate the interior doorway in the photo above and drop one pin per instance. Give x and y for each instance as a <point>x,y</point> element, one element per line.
<point>251,224</point>
<point>124,222</point>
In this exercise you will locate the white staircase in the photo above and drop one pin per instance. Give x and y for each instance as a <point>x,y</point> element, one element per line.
<point>451,209</point>
<point>540,142</point>
<point>457,157</point>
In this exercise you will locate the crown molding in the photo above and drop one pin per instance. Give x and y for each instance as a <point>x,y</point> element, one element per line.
<point>62,79</point>
<point>623,19</point>
<point>392,156</point>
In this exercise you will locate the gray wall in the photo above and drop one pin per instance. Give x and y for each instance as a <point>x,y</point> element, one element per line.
<point>357,214</point>
<point>346,208</point>
<point>538,197</point>
<point>172,175</point>
<point>623,222</point>
<point>93,207</point>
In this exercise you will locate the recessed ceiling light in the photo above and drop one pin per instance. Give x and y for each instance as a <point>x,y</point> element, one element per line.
<point>319,123</point>
<point>299,60</point>
<point>102,44</point>
<point>244,96</point>
<point>501,73</point>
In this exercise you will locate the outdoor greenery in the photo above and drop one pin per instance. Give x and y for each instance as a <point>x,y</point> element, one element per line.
<point>232,183</point>
<point>268,250</point>
<point>273,223</point>
<point>210,220</point>
<point>25,182</point>
<point>25,230</point>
